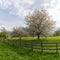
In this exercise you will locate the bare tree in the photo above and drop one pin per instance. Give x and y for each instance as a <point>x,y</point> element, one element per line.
<point>39,22</point>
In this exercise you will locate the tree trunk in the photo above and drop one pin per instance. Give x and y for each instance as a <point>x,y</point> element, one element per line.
<point>38,35</point>
<point>20,37</point>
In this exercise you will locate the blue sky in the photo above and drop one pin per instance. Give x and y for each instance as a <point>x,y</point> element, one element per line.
<point>12,12</point>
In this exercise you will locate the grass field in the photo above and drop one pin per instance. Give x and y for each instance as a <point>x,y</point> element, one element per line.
<point>10,52</point>
<point>48,39</point>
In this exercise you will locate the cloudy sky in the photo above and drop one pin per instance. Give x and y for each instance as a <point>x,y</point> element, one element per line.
<point>12,12</point>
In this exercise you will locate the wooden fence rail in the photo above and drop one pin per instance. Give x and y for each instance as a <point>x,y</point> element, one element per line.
<point>42,46</point>
<point>55,46</point>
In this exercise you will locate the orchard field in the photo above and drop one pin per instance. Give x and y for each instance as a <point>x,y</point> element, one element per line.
<point>44,39</point>
<point>11,52</point>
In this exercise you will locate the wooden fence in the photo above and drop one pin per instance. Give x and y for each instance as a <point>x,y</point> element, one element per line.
<point>45,46</point>
<point>41,46</point>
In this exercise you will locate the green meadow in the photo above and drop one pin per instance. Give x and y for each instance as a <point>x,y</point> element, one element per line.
<point>11,52</point>
<point>44,39</point>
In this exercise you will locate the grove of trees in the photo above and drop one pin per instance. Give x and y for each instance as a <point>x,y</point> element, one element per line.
<point>4,33</point>
<point>19,32</point>
<point>39,23</point>
<point>57,32</point>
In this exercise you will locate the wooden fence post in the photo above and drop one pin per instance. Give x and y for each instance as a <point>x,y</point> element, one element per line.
<point>20,43</point>
<point>31,45</point>
<point>41,47</point>
<point>57,48</point>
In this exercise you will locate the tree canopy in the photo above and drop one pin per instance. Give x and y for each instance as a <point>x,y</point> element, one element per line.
<point>39,22</point>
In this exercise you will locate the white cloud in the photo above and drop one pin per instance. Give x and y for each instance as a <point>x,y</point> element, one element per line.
<point>17,7</point>
<point>55,11</point>
<point>28,1</point>
<point>53,7</point>
<point>22,7</point>
<point>14,7</point>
